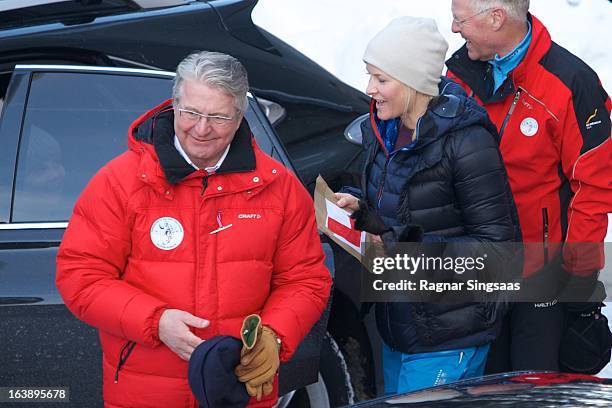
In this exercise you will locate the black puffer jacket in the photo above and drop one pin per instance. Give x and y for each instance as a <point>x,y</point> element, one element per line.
<point>453,184</point>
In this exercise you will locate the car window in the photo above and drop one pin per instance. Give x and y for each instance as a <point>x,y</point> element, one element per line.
<point>74,124</point>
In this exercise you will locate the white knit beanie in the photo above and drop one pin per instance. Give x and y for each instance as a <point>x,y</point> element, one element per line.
<point>411,50</point>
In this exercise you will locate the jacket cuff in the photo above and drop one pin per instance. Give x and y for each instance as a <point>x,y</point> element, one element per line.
<point>284,347</point>
<point>354,191</point>
<point>155,327</point>
<point>140,319</point>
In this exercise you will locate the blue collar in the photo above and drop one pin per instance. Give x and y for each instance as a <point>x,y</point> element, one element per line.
<point>504,65</point>
<point>389,131</point>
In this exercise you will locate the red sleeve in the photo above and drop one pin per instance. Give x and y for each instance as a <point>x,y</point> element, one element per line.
<point>586,157</point>
<point>90,262</point>
<point>300,282</point>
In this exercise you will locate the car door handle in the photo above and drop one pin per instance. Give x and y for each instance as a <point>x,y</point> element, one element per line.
<point>13,301</point>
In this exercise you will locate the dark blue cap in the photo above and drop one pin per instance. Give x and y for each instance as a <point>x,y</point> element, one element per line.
<point>211,373</point>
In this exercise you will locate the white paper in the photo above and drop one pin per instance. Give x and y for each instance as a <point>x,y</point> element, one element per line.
<point>343,217</point>
<point>336,213</point>
<point>356,248</point>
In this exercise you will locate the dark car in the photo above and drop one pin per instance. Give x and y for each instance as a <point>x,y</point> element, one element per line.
<point>73,76</point>
<point>519,389</point>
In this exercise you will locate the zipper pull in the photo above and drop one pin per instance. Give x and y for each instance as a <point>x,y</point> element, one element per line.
<point>505,122</point>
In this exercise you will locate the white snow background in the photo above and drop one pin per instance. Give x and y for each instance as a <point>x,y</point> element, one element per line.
<point>335,33</point>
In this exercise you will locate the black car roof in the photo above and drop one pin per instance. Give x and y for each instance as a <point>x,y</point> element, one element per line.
<point>22,13</point>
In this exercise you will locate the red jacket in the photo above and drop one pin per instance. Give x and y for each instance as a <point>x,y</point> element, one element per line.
<point>138,244</point>
<point>553,117</point>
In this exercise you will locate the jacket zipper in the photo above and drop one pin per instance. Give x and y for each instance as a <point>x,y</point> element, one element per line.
<point>199,237</point>
<point>507,118</point>
<point>204,184</point>
<point>388,160</point>
<point>545,233</point>
<point>125,352</point>
<point>381,187</point>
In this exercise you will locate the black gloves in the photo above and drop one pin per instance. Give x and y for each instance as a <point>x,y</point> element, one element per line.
<point>368,220</point>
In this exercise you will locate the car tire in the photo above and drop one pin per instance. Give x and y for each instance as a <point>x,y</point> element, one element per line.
<point>333,387</point>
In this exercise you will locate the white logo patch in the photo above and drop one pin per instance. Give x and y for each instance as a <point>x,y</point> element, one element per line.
<point>249,216</point>
<point>529,127</point>
<point>167,233</point>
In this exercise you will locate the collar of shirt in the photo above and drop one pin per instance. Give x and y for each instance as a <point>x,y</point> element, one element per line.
<point>404,139</point>
<point>209,170</point>
<point>502,66</point>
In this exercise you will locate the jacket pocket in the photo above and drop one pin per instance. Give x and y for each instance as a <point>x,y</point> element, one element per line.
<point>124,354</point>
<point>545,234</point>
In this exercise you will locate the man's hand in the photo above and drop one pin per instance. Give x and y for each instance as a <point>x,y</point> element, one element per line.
<point>347,201</point>
<point>174,331</point>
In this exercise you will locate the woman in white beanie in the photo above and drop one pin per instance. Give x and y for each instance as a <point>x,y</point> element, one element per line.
<point>433,173</point>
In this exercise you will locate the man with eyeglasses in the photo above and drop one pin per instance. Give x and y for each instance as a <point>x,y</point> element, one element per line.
<point>182,237</point>
<point>553,118</point>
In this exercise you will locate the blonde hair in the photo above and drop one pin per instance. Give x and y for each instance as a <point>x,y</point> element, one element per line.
<point>413,99</point>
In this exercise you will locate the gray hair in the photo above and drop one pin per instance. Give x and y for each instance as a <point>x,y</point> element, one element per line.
<point>215,69</point>
<point>516,9</point>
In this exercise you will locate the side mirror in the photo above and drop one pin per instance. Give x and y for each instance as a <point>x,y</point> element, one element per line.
<point>352,132</point>
<point>273,111</point>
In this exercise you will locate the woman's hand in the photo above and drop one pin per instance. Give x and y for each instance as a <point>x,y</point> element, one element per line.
<point>347,201</point>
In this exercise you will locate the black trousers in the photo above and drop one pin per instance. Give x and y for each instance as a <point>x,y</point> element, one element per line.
<point>529,339</point>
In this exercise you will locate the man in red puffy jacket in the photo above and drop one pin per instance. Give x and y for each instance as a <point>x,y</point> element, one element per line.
<point>553,117</point>
<point>179,238</point>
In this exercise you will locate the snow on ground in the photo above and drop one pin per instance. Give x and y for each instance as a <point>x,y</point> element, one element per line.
<point>335,34</point>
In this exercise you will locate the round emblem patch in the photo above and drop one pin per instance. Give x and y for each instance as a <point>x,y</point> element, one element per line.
<point>529,127</point>
<point>167,233</point>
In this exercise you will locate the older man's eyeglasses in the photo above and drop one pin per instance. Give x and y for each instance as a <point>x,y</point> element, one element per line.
<point>194,117</point>
<point>461,22</point>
